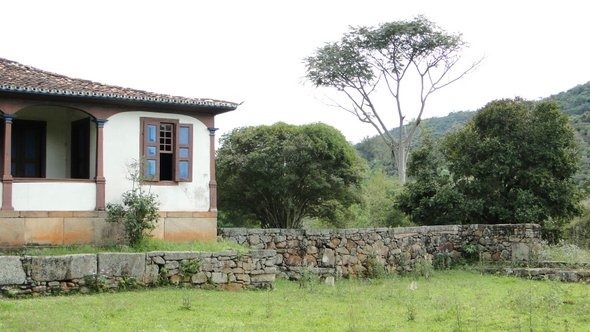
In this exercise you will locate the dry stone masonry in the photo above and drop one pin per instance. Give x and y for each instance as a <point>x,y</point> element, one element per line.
<point>278,252</point>
<point>348,252</point>
<point>40,275</point>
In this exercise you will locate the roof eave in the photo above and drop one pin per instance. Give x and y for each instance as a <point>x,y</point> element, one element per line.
<point>211,106</point>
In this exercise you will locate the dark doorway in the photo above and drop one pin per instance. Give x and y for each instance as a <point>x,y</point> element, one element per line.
<point>80,149</point>
<point>28,148</point>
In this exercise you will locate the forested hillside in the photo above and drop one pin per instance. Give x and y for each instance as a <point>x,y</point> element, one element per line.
<point>575,102</point>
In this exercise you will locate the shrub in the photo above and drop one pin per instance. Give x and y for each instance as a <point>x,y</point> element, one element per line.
<point>442,260</point>
<point>96,283</point>
<point>307,278</point>
<point>189,267</point>
<point>138,211</point>
<point>128,283</point>
<point>471,253</point>
<point>374,268</point>
<point>423,268</point>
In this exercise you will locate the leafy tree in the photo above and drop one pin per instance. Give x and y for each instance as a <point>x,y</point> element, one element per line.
<point>278,174</point>
<point>432,198</point>
<point>377,207</point>
<point>377,153</point>
<point>514,163</point>
<point>374,208</point>
<point>371,60</point>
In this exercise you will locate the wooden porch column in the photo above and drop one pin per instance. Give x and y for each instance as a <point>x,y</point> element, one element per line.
<point>212,182</point>
<point>100,180</point>
<point>7,169</point>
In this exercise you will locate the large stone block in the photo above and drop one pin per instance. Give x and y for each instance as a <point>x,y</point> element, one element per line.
<point>11,271</point>
<point>106,233</point>
<point>190,229</point>
<point>260,254</point>
<point>199,278</point>
<point>55,268</point>
<point>82,265</point>
<point>180,255</point>
<point>263,278</point>
<point>328,258</point>
<point>218,278</point>
<point>78,230</point>
<point>520,252</point>
<point>158,231</point>
<point>44,231</point>
<point>122,265</point>
<point>12,232</point>
<point>152,273</point>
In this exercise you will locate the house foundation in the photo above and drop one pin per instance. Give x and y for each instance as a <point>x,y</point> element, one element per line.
<point>56,228</point>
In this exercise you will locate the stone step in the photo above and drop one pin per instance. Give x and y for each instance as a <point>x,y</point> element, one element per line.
<point>561,264</point>
<point>543,273</point>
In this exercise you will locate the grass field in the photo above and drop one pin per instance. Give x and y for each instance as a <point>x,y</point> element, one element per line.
<point>146,245</point>
<point>449,301</point>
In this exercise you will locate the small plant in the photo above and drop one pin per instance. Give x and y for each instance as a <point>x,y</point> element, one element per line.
<point>471,252</point>
<point>423,268</point>
<point>187,302</point>
<point>189,267</point>
<point>128,283</point>
<point>374,268</point>
<point>269,307</point>
<point>458,319</point>
<point>442,260</point>
<point>307,279</point>
<point>163,277</point>
<point>96,283</point>
<point>139,210</point>
<point>411,303</point>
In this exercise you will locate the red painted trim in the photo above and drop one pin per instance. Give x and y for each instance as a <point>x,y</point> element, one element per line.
<point>100,180</point>
<point>6,172</point>
<point>212,181</point>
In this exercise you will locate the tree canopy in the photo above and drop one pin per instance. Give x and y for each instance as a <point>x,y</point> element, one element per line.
<point>514,162</point>
<point>278,174</point>
<point>431,198</point>
<point>372,60</point>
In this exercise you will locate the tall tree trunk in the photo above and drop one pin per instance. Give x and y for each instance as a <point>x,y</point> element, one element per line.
<point>400,156</point>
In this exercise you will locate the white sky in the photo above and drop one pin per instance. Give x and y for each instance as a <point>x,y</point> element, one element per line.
<point>252,51</point>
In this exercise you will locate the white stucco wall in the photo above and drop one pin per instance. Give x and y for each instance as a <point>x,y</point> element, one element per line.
<point>57,164</point>
<point>54,196</point>
<point>122,146</point>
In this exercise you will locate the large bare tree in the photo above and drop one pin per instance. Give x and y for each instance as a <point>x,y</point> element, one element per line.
<point>372,59</point>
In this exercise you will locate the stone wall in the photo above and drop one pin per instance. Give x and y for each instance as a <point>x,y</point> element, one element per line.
<point>41,275</point>
<point>347,252</point>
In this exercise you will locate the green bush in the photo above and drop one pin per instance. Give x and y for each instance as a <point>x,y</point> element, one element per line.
<point>96,283</point>
<point>190,267</point>
<point>578,230</point>
<point>307,278</point>
<point>471,253</point>
<point>423,268</point>
<point>442,260</point>
<point>138,211</point>
<point>374,268</point>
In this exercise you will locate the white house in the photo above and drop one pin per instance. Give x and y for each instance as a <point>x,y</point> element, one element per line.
<point>67,143</point>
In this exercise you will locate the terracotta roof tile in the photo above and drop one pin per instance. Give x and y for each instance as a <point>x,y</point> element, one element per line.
<point>15,77</point>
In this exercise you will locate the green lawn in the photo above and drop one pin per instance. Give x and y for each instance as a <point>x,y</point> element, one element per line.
<point>145,246</point>
<point>453,300</point>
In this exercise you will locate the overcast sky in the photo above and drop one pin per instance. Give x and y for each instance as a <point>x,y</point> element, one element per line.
<point>252,51</point>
